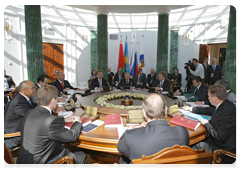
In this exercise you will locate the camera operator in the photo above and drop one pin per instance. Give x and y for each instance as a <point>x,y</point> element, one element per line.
<point>189,75</point>
<point>199,70</point>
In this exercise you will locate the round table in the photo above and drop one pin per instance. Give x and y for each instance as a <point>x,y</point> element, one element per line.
<point>104,140</point>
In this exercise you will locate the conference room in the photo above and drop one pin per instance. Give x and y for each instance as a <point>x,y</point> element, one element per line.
<point>162,72</point>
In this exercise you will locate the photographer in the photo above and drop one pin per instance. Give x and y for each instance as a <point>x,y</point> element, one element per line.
<point>199,70</point>
<point>189,75</point>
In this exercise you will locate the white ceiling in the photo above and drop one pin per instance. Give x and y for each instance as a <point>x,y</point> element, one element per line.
<point>129,8</point>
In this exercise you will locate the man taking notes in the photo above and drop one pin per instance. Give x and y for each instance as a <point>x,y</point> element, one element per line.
<point>155,136</point>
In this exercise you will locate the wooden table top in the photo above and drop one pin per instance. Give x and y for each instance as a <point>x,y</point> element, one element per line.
<point>105,139</point>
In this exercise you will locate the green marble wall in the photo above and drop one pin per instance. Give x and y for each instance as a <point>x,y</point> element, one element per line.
<point>102,44</point>
<point>94,58</point>
<point>33,31</point>
<point>162,44</point>
<point>173,50</point>
<point>230,60</point>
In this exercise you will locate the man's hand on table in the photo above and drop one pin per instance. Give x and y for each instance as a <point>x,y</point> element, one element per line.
<point>204,121</point>
<point>187,108</point>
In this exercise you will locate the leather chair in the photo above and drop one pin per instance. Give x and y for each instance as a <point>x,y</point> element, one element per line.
<point>218,152</point>
<point>9,162</point>
<point>89,82</point>
<point>177,155</point>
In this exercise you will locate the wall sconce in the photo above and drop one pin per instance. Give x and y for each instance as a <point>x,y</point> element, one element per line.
<point>83,37</point>
<point>186,37</point>
<point>7,27</point>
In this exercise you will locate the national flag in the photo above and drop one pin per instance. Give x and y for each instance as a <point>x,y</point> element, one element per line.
<point>121,58</point>
<point>141,58</point>
<point>134,68</point>
<point>126,62</point>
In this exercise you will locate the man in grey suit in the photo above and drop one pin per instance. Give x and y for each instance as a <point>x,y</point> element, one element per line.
<point>42,80</point>
<point>140,79</point>
<point>43,134</point>
<point>154,135</point>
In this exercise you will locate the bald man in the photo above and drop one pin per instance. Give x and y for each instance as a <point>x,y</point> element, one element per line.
<point>20,104</point>
<point>62,84</point>
<point>155,134</point>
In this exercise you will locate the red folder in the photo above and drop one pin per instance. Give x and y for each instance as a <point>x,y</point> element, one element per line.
<point>182,121</point>
<point>113,120</point>
<point>85,121</point>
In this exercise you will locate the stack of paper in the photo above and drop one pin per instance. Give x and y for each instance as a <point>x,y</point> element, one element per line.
<point>92,126</point>
<point>62,113</point>
<point>192,104</point>
<point>193,116</point>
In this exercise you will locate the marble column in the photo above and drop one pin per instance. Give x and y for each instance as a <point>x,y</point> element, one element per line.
<point>230,60</point>
<point>173,51</point>
<point>34,48</point>
<point>94,59</point>
<point>162,41</point>
<point>102,41</point>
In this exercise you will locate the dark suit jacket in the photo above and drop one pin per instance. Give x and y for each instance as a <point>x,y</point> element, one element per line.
<point>95,83</point>
<point>179,79</point>
<point>14,114</point>
<point>217,74</point>
<point>149,79</point>
<point>124,83</point>
<point>202,93</point>
<point>116,78</point>
<point>57,84</point>
<point>157,135</point>
<point>34,98</point>
<point>222,128</point>
<point>42,137</point>
<point>10,81</point>
<point>142,80</point>
<point>166,85</point>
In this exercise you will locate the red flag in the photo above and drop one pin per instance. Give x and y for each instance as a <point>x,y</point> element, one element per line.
<point>121,57</point>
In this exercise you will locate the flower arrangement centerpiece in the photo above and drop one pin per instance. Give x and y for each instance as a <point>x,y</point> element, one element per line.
<point>103,100</point>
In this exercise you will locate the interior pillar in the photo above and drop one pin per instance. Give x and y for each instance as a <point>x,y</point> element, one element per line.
<point>230,60</point>
<point>34,48</point>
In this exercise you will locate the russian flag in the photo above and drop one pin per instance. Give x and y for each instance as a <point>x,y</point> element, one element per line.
<point>134,61</point>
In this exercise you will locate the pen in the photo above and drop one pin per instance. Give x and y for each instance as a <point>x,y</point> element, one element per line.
<point>101,129</point>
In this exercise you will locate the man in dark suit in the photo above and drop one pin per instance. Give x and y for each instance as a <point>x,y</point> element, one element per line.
<point>43,134</point>
<point>222,125</point>
<point>140,79</point>
<point>99,82</point>
<point>213,73</point>
<point>177,78</point>
<point>151,78</point>
<point>9,80</point>
<point>61,84</point>
<point>162,83</point>
<point>199,89</point>
<point>20,104</point>
<point>127,81</point>
<point>9,84</point>
<point>154,135</point>
<point>42,80</point>
<point>118,78</point>
<point>209,110</point>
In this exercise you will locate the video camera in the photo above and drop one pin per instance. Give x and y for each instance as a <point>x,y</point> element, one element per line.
<point>188,64</point>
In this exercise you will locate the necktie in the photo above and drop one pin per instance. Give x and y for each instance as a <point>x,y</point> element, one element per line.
<point>127,82</point>
<point>100,83</point>
<point>62,85</point>
<point>161,84</point>
<point>30,102</point>
<point>214,67</point>
<point>196,90</point>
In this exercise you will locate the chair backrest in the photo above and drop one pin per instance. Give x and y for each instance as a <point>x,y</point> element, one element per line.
<point>8,155</point>
<point>12,93</point>
<point>177,155</point>
<point>89,82</point>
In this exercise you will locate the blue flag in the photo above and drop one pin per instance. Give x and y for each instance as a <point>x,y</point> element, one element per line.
<point>126,60</point>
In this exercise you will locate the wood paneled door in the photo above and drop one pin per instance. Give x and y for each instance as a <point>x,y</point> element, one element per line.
<point>53,59</point>
<point>203,52</point>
